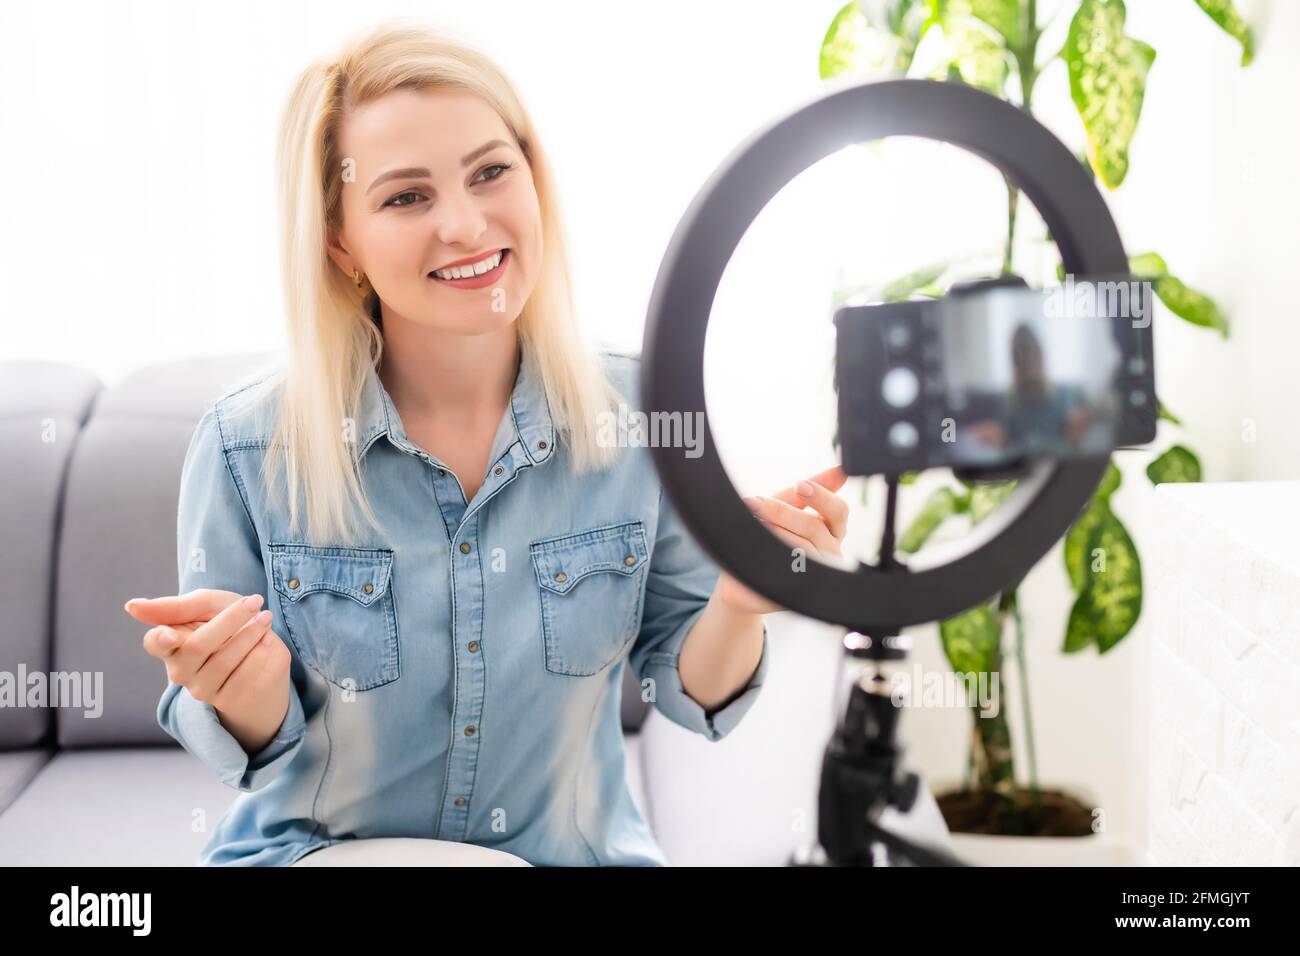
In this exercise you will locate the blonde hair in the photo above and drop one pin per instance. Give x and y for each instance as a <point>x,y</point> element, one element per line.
<point>333,327</point>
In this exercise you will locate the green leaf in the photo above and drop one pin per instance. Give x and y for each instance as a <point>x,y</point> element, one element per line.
<point>1190,305</point>
<point>841,50</point>
<point>858,45</point>
<point>1075,549</point>
<point>1177,464</point>
<point>1112,595</point>
<point>915,281</point>
<point>1109,482</point>
<point>1108,75</point>
<point>1184,302</point>
<point>923,281</point>
<point>1225,14</point>
<point>1166,414</point>
<point>938,508</point>
<point>980,60</point>
<point>1079,633</point>
<point>1147,265</point>
<point>972,640</point>
<point>1001,15</point>
<point>986,496</point>
<point>976,55</point>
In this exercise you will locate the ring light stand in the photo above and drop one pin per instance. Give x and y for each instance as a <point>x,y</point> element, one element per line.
<point>873,602</point>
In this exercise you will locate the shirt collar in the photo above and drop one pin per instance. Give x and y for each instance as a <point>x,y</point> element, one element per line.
<point>527,419</point>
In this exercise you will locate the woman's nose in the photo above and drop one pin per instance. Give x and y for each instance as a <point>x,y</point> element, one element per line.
<point>461,222</point>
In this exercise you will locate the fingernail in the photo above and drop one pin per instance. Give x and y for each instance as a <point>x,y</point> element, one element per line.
<point>166,639</point>
<point>805,488</point>
<point>753,502</point>
<point>253,602</point>
<point>264,617</point>
<point>127,605</point>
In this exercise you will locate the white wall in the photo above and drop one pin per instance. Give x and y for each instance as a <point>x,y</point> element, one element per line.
<point>139,226</point>
<point>1224,664</point>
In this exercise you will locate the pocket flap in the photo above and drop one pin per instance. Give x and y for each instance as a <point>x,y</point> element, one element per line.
<point>560,563</point>
<point>359,573</point>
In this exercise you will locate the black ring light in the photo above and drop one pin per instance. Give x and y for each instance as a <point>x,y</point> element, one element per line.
<point>1003,547</point>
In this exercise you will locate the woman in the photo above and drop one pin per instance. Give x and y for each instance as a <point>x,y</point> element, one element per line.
<point>453,567</point>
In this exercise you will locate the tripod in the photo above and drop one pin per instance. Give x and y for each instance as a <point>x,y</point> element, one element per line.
<point>859,777</point>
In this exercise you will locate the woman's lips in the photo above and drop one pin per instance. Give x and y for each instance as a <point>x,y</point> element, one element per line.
<point>477,282</point>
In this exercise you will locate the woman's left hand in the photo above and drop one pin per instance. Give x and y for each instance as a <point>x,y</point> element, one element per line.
<point>784,514</point>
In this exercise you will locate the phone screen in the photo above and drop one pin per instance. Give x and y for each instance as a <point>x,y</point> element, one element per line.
<point>1027,377</point>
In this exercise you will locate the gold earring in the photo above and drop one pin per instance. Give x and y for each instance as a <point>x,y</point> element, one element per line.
<point>357,278</point>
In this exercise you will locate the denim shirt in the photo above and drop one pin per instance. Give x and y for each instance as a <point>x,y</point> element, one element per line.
<point>459,678</point>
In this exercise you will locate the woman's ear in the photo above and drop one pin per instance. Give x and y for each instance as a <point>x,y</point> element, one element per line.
<point>342,258</point>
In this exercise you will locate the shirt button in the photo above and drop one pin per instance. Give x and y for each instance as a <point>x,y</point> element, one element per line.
<point>541,444</point>
<point>464,547</point>
<point>293,584</point>
<point>561,577</point>
<point>498,470</point>
<point>370,587</point>
<point>442,472</point>
<point>459,801</point>
<point>469,731</point>
<point>629,560</point>
<point>473,647</point>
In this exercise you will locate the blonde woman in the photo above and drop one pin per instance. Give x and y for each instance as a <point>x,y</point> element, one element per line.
<point>410,570</point>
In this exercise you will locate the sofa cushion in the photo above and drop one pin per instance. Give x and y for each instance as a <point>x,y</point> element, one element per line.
<point>118,540</point>
<point>17,769</point>
<point>42,408</point>
<point>126,806</point>
<point>114,806</point>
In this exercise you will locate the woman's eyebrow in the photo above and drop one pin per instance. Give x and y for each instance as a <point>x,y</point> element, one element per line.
<point>420,172</point>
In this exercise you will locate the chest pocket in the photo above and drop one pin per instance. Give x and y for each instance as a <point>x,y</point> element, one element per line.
<point>337,606</point>
<point>591,587</point>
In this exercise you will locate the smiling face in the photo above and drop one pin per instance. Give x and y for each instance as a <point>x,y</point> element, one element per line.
<point>426,194</point>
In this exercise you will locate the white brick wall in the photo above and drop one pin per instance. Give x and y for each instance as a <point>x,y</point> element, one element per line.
<point>1222,573</point>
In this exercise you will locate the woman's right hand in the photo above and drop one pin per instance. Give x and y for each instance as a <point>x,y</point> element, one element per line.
<point>219,647</point>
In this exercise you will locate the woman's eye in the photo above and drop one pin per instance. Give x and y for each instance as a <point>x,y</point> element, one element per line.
<point>498,166</point>
<point>501,166</point>
<point>394,202</point>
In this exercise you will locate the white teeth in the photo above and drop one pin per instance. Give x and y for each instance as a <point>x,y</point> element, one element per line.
<point>477,269</point>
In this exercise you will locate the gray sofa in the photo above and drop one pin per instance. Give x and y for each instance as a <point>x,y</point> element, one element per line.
<point>88,519</point>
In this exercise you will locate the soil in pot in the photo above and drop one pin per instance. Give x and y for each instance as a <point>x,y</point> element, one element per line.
<point>1053,814</point>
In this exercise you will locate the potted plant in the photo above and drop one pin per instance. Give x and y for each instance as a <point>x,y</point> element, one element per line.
<point>995,45</point>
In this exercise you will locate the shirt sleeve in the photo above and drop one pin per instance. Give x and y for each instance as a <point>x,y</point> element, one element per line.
<point>217,547</point>
<point>681,579</point>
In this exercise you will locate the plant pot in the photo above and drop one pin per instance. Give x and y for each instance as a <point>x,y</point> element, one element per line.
<point>1097,849</point>
<point>1063,836</point>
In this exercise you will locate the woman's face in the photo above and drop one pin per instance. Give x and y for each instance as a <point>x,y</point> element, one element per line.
<point>421,192</point>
